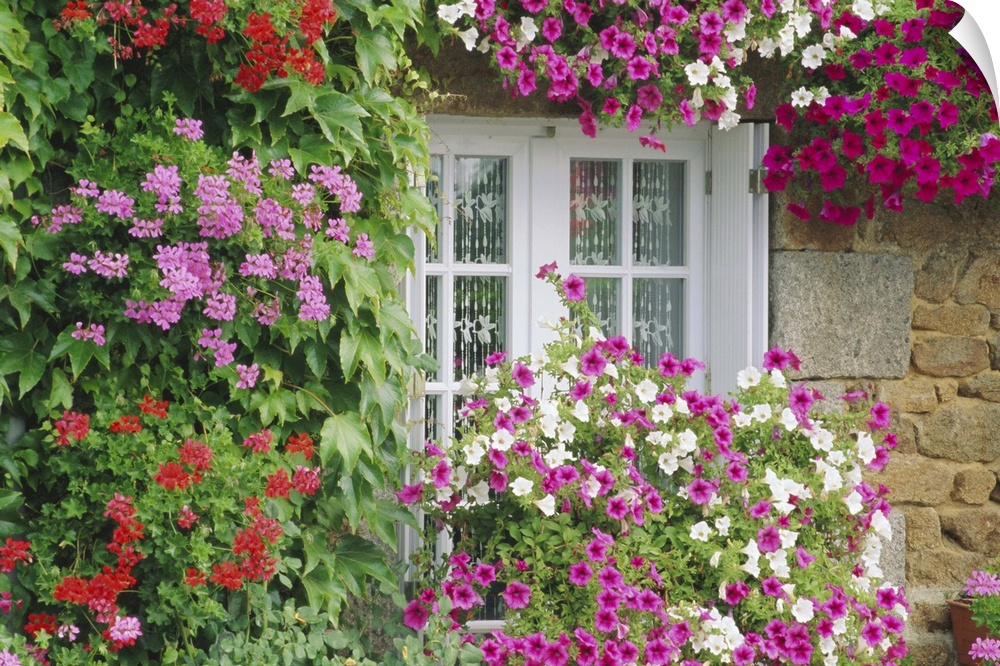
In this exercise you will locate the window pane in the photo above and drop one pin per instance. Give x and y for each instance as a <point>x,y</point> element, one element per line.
<point>595,212</point>
<point>433,192</point>
<point>658,213</point>
<point>434,428</point>
<point>657,315</point>
<point>480,210</point>
<point>603,297</point>
<point>480,321</point>
<point>432,323</point>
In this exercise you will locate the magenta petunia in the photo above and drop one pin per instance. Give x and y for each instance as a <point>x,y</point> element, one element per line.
<point>574,288</point>
<point>517,595</point>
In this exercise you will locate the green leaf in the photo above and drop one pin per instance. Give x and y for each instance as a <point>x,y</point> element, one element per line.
<point>350,347</point>
<point>31,372</point>
<point>10,240</point>
<point>349,501</point>
<point>347,436</point>
<point>12,132</point>
<point>375,52</point>
<point>334,110</point>
<point>61,394</point>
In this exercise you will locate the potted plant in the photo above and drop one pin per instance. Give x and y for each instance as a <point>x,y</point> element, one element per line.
<point>975,619</point>
<point>623,518</point>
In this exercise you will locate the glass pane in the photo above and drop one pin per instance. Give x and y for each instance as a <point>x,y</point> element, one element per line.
<point>657,315</point>
<point>658,213</point>
<point>481,210</point>
<point>434,430</point>
<point>433,192</point>
<point>603,297</point>
<point>480,321</point>
<point>595,212</point>
<point>432,323</point>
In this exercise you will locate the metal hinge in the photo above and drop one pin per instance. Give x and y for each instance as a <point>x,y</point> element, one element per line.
<point>757,181</point>
<point>708,182</point>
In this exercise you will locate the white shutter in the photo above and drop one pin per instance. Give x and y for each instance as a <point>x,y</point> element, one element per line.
<point>737,256</point>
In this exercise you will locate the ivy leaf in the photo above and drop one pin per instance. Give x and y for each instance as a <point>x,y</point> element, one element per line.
<point>10,240</point>
<point>12,132</point>
<point>374,51</point>
<point>347,436</point>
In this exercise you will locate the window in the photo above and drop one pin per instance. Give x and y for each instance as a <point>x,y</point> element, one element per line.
<point>667,264</point>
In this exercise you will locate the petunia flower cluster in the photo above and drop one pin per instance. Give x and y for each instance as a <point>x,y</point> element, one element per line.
<point>217,254</point>
<point>619,517</point>
<point>877,90</point>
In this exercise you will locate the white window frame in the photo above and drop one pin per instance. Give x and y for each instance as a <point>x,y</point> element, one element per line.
<point>726,236</point>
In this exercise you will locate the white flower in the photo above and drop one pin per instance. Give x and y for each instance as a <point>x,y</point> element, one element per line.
<point>728,120</point>
<point>467,386</point>
<point>863,9</point>
<point>611,370</point>
<point>548,424</point>
<point>723,524</point>
<point>767,47</point>
<point>661,413</point>
<point>881,525</point>
<point>803,611</point>
<point>701,531</point>
<point>581,411</point>
<point>571,366</point>
<point>741,419</point>
<point>646,391</point>
<point>502,440</point>
<point>547,505</point>
<point>697,101</point>
<point>788,537</point>
<point>831,477</point>
<point>801,21</point>
<point>788,419</point>
<point>847,33</point>
<point>558,456</point>
<point>592,486</point>
<point>480,493</point>
<point>822,94</point>
<point>802,97</point>
<point>521,486</point>
<point>787,41</point>
<point>722,81</point>
<point>778,561</point>
<point>812,56</point>
<point>853,502</point>
<point>566,431</point>
<point>667,463</point>
<point>459,476</point>
<point>716,556</point>
<point>866,448</point>
<point>687,442</point>
<point>528,32</point>
<point>474,453</point>
<point>778,379</point>
<point>681,406</point>
<point>502,404</point>
<point>469,38</point>
<point>697,73</point>
<point>761,413</point>
<point>449,13</point>
<point>829,40</point>
<point>821,439</point>
<point>748,377</point>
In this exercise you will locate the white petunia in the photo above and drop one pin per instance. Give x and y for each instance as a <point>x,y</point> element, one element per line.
<point>581,411</point>
<point>802,97</point>
<point>748,377</point>
<point>812,56</point>
<point>822,94</point>
<point>788,537</point>
<point>449,13</point>
<point>646,391</point>
<point>548,424</point>
<point>547,505</point>
<point>716,556</point>
<point>881,525</point>
<point>681,406</point>
<point>866,448</point>
<point>803,611</point>
<point>723,524</point>
<point>802,21</point>
<point>591,487</point>
<point>787,39</point>
<point>480,493</point>
<point>701,531</point>
<point>767,47</point>
<point>697,100</point>
<point>474,453</point>
<point>853,502</point>
<point>697,73</point>
<point>502,404</point>
<point>528,32</point>
<point>778,379</point>
<point>469,38</point>
<point>687,442</point>
<point>571,366</point>
<point>741,419</point>
<point>521,486</point>
<point>863,9</point>
<point>502,440</point>
<point>761,413</point>
<point>729,120</point>
<point>847,33</point>
<point>667,463</point>
<point>566,431</point>
<point>821,439</point>
<point>778,561</point>
<point>661,413</point>
<point>788,419</point>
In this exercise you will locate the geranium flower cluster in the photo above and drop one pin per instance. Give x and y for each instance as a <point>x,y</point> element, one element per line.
<point>208,253</point>
<point>276,43</point>
<point>623,519</point>
<point>174,487</point>
<point>897,113</point>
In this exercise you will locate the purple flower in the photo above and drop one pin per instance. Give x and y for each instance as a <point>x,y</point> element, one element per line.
<point>415,615</point>
<point>580,390</point>
<point>616,508</point>
<point>986,649</point>
<point>93,332</point>
<point>220,306</point>
<point>115,203</point>
<point>109,265</point>
<point>248,376</point>
<point>523,375</point>
<point>410,493</point>
<point>441,475</point>
<point>982,583</point>
<point>363,247</point>
<point>125,629</point>
<point>580,573</point>
<point>592,363</point>
<point>768,539</point>
<point>77,264</point>
<point>517,595</point>
<point>574,288</point>
<point>188,128</point>
<point>701,491</point>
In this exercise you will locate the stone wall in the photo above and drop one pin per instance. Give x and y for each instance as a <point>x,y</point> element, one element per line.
<point>908,306</point>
